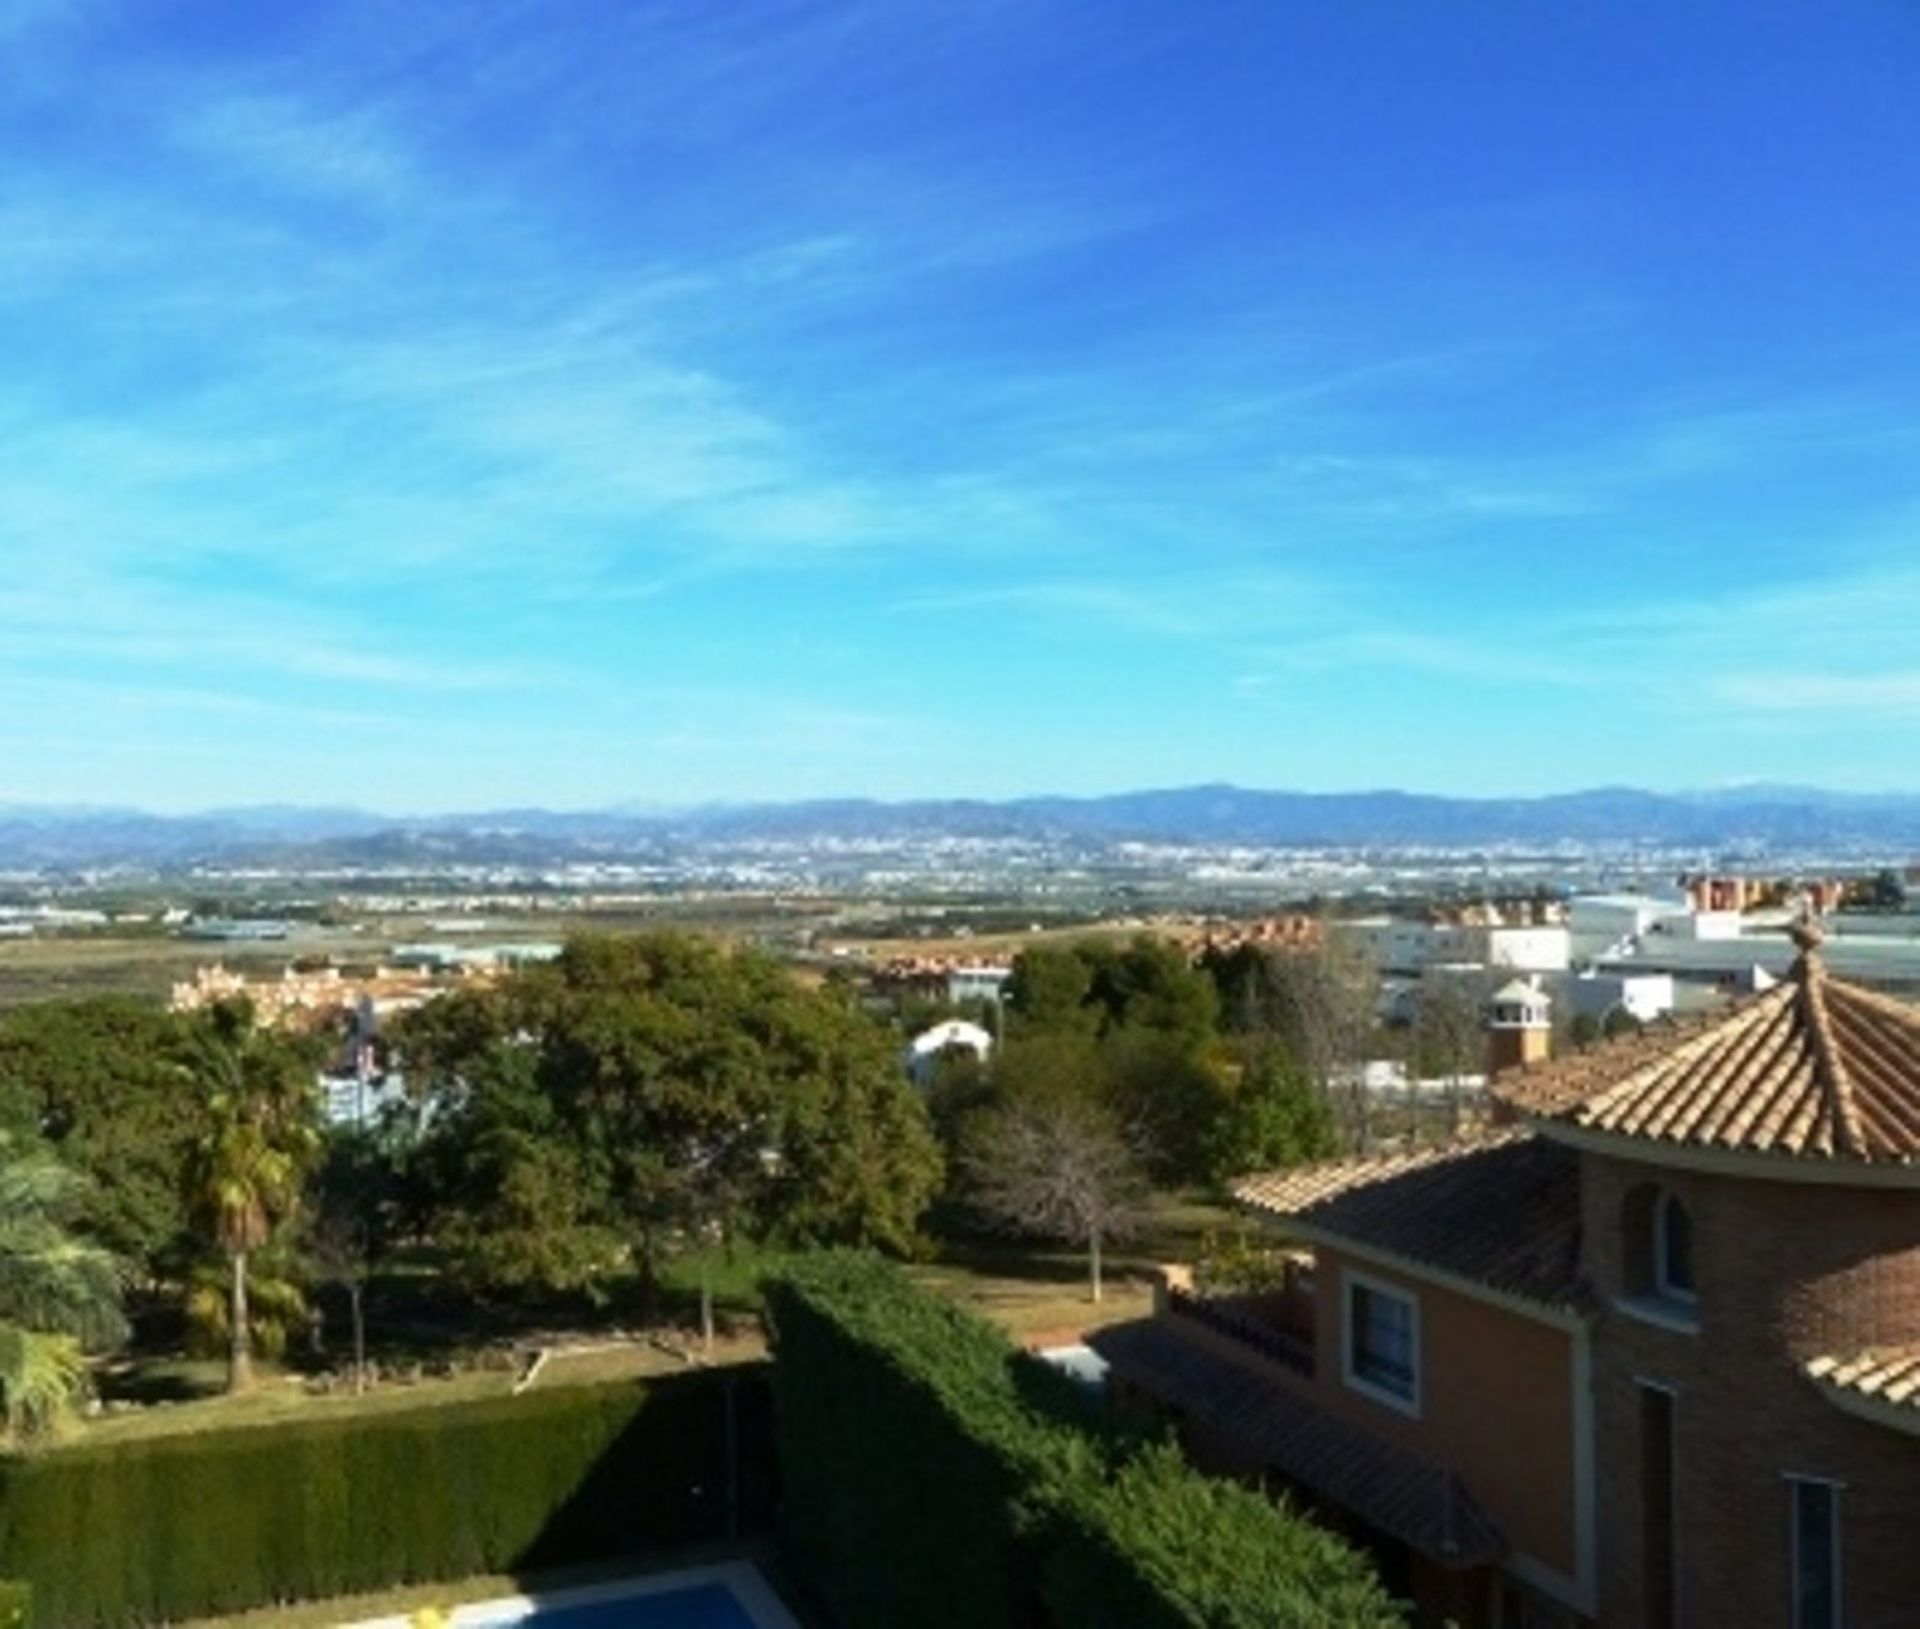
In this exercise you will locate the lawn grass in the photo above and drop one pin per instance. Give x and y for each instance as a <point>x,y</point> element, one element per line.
<point>1034,1292</point>
<point>280,1398</point>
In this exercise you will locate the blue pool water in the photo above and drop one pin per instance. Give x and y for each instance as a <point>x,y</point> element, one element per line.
<point>700,1606</point>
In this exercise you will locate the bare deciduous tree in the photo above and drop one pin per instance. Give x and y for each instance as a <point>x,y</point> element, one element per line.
<point>1449,1038</point>
<point>1062,1167</point>
<point>1325,1010</point>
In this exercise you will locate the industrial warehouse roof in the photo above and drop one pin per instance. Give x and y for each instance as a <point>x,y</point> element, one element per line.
<point>1502,1211</point>
<point>1815,1069</point>
<point>1889,957</point>
<point>1413,1499</point>
<point>1885,1380</point>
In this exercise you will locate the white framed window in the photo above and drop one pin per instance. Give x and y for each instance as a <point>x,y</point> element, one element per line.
<point>1380,1346</point>
<point>1673,1250</point>
<point>1814,1514</point>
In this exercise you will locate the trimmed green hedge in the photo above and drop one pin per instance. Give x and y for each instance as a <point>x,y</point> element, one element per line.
<point>933,1476</point>
<point>1160,1547</point>
<point>220,1521</point>
<point>913,1476</point>
<point>16,1605</point>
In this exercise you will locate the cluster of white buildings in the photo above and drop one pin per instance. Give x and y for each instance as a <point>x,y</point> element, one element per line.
<point>1644,954</point>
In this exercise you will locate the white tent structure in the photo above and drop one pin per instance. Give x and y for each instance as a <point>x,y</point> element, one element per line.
<point>926,1049</point>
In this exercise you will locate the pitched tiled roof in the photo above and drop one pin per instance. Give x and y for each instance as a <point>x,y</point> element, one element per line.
<point>1413,1499</point>
<point>1814,1069</point>
<point>1503,1210</point>
<point>1889,1376</point>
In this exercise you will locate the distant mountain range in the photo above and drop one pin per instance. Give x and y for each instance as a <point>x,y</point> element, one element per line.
<point>1773,816</point>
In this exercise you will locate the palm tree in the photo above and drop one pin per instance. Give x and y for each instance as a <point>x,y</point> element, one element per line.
<point>59,1293</point>
<point>259,1135</point>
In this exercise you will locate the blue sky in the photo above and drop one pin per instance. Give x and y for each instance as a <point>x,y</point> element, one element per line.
<point>437,406</point>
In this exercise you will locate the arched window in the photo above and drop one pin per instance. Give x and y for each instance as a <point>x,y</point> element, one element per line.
<point>1673,1249</point>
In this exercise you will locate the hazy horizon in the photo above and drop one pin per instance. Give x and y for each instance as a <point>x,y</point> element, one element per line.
<point>645,808</point>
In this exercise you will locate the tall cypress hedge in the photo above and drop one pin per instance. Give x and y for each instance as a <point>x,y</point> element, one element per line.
<point>220,1521</point>
<point>915,1478</point>
<point>1160,1547</point>
<point>934,1476</point>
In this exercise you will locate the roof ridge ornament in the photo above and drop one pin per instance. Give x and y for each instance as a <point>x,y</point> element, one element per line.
<point>1808,936</point>
<point>1830,1070</point>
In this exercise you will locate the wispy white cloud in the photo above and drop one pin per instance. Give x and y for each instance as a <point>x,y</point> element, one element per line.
<point>80,615</point>
<point>296,149</point>
<point>1849,695</point>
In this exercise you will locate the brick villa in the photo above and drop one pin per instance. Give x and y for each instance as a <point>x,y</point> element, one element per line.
<point>1646,1355</point>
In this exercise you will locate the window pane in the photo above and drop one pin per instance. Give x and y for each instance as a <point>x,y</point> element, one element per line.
<point>1383,1340</point>
<point>1816,1568</point>
<point>1676,1246</point>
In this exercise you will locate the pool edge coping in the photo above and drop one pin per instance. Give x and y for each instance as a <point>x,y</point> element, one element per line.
<point>742,1579</point>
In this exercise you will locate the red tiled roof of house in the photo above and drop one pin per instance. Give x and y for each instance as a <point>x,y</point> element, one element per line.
<point>1814,1069</point>
<point>1415,1500</point>
<point>1502,1210</point>
<point>1885,1375</point>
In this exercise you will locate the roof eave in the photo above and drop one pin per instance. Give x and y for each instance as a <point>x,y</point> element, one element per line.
<point>1902,1417</point>
<point>1564,1314</point>
<point>1817,1169</point>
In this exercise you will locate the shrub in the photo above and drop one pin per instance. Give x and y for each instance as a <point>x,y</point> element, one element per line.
<point>16,1605</point>
<point>913,1476</point>
<point>1160,1547</point>
<point>934,1476</point>
<point>221,1521</point>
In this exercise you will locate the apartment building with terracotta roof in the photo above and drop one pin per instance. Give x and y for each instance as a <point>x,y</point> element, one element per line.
<point>1646,1355</point>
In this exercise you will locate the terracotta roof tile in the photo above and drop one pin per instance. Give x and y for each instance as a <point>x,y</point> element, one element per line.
<point>1411,1498</point>
<point>1888,1375</point>
<point>1814,1069</point>
<point>1503,1210</point>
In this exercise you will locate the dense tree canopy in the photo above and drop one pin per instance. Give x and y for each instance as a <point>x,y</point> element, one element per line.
<point>1277,1118</point>
<point>101,1081</point>
<point>1098,988</point>
<point>1133,1028</point>
<point>641,1094</point>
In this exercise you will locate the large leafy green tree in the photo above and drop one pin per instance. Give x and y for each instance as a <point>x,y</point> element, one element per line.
<point>59,1291</point>
<point>1149,984</point>
<point>1133,1024</point>
<point>1095,987</point>
<point>99,1081</point>
<point>647,1094</point>
<point>258,1137</point>
<point>499,1177</point>
<point>857,1159</point>
<point>1051,992</point>
<point>1278,1117</point>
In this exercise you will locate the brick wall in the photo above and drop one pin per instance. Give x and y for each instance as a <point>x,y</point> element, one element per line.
<point>1785,1271</point>
<point>1497,1403</point>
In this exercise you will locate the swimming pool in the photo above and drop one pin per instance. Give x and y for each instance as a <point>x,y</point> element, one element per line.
<point>731,1595</point>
